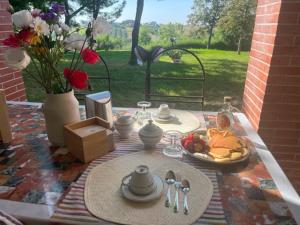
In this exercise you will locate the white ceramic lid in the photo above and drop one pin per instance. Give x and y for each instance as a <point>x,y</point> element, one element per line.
<point>125,120</point>
<point>151,130</point>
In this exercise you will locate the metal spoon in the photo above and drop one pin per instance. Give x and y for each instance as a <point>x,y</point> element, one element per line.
<point>177,188</point>
<point>170,179</point>
<point>185,188</point>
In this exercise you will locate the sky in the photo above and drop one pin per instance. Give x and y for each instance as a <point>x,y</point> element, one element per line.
<point>161,11</point>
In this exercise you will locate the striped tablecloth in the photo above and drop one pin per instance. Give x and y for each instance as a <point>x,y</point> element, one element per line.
<point>8,220</point>
<point>72,209</point>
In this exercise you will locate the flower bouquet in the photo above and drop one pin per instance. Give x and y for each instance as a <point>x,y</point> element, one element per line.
<point>41,40</point>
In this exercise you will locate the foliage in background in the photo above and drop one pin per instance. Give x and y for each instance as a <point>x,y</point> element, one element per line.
<point>145,36</point>
<point>170,30</point>
<point>205,16</point>
<point>27,4</point>
<point>75,7</point>
<point>95,8</point>
<point>237,21</point>
<point>232,32</point>
<point>106,42</point>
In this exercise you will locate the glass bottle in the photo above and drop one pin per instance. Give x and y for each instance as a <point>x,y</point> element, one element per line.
<point>227,110</point>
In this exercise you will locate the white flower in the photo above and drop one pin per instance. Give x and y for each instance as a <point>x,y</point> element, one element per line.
<point>22,18</point>
<point>75,41</point>
<point>35,12</point>
<point>100,26</point>
<point>41,27</point>
<point>56,29</point>
<point>65,27</point>
<point>16,58</point>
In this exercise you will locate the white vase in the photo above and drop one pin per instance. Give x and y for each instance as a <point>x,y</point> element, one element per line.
<point>59,110</point>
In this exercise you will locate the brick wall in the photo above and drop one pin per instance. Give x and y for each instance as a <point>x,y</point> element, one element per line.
<point>10,80</point>
<point>272,89</point>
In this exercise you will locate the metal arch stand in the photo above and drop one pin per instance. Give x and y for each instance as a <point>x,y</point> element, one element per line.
<point>148,79</point>
<point>80,95</point>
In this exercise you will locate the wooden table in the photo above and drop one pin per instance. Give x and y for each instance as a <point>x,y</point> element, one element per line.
<point>37,178</point>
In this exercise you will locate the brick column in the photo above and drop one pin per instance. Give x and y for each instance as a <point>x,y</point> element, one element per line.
<point>272,88</point>
<point>10,80</point>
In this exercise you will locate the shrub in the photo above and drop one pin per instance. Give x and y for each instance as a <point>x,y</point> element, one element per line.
<point>106,42</point>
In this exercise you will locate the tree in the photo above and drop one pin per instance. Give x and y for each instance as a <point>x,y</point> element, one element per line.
<point>205,15</point>
<point>136,30</point>
<point>94,7</point>
<point>26,4</point>
<point>145,37</point>
<point>171,30</point>
<point>237,21</point>
<point>75,7</point>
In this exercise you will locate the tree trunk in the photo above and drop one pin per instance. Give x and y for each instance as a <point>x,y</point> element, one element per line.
<point>210,33</point>
<point>96,9</point>
<point>67,14</point>
<point>136,30</point>
<point>239,46</point>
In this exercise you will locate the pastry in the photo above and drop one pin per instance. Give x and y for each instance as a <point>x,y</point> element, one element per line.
<point>231,142</point>
<point>235,156</point>
<point>219,153</point>
<point>245,152</point>
<point>225,146</point>
<point>222,160</point>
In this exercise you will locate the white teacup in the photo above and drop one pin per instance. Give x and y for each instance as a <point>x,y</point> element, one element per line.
<point>141,181</point>
<point>164,111</point>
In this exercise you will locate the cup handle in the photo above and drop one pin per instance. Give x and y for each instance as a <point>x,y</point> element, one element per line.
<point>124,179</point>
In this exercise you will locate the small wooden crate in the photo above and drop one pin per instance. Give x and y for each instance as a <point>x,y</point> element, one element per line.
<point>5,131</point>
<point>89,139</point>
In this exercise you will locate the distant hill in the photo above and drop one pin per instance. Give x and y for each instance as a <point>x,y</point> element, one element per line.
<point>123,29</point>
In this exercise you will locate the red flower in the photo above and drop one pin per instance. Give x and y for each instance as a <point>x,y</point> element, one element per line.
<point>25,35</point>
<point>68,72</point>
<point>78,79</point>
<point>12,41</point>
<point>90,56</point>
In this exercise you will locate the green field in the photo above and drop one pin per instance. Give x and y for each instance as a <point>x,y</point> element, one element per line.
<point>225,75</point>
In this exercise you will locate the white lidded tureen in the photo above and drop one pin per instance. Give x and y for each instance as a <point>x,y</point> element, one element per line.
<point>150,135</point>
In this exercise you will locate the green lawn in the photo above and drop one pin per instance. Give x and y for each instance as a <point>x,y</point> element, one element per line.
<point>225,71</point>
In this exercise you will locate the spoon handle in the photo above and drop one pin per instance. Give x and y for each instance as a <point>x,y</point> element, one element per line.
<point>168,199</point>
<point>185,205</point>
<point>176,206</point>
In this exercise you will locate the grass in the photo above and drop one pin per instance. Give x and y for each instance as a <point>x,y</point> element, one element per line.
<point>225,76</point>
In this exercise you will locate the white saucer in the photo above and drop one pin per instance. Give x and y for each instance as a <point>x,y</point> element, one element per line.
<point>144,198</point>
<point>164,120</point>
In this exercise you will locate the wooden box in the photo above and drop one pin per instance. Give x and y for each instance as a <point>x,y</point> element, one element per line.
<point>5,131</point>
<point>89,139</point>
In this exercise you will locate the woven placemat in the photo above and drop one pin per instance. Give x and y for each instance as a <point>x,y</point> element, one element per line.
<point>104,200</point>
<point>185,122</point>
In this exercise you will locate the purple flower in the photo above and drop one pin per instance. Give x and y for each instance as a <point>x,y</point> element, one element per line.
<point>57,8</point>
<point>49,17</point>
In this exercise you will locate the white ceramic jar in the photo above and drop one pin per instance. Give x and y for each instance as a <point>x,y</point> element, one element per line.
<point>150,135</point>
<point>124,126</point>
